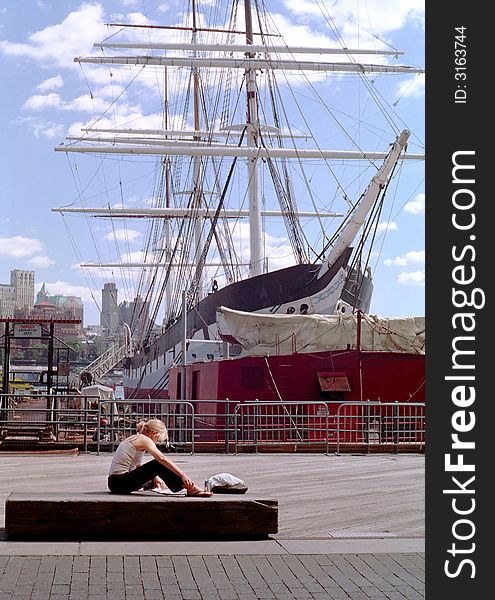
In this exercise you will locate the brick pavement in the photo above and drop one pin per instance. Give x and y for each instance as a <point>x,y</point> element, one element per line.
<point>359,576</point>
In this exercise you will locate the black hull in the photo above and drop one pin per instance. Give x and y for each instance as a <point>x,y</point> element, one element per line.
<point>257,293</point>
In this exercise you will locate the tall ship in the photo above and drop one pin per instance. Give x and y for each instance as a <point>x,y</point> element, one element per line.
<point>244,202</point>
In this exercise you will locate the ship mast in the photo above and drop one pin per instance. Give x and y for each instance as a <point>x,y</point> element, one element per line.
<point>362,208</point>
<point>168,249</point>
<point>197,187</point>
<point>252,131</point>
<point>164,143</point>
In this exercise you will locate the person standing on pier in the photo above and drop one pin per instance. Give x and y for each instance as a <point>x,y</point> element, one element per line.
<point>128,473</point>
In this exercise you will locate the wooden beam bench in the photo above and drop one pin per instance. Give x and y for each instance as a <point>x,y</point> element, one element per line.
<point>138,516</point>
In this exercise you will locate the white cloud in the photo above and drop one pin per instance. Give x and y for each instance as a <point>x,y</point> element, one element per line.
<point>86,103</point>
<point>278,252</point>
<point>58,44</point>
<point>52,83</point>
<point>19,246</point>
<point>358,26</point>
<point>411,278</point>
<point>413,257</point>
<point>123,235</point>
<point>346,14</point>
<point>40,262</point>
<point>387,226</point>
<point>41,102</point>
<point>110,91</point>
<point>67,289</point>
<point>40,128</point>
<point>137,18</point>
<point>413,88</point>
<point>300,34</point>
<point>416,206</point>
<point>136,257</point>
<point>122,117</point>
<point>49,130</point>
<point>83,103</point>
<point>280,257</point>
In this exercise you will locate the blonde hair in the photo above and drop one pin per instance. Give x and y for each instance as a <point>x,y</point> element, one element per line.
<point>154,426</point>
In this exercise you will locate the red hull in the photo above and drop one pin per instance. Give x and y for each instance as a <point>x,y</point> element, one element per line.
<point>339,376</point>
<point>383,376</point>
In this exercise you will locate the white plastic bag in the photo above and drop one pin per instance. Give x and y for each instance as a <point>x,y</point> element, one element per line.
<point>224,481</point>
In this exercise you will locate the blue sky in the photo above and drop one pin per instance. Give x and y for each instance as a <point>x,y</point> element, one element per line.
<point>44,96</point>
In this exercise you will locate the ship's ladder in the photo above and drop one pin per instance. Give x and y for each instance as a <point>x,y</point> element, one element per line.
<point>108,360</point>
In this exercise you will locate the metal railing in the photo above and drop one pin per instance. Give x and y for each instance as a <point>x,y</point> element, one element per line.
<point>117,419</point>
<point>381,424</point>
<point>221,426</point>
<point>281,424</point>
<point>49,419</point>
<point>108,360</point>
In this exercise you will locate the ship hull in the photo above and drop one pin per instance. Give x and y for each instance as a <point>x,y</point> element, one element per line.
<point>321,383</point>
<point>374,376</point>
<point>291,290</point>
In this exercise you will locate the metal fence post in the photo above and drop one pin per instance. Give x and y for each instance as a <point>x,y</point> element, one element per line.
<point>256,418</point>
<point>98,429</point>
<point>226,411</point>
<point>395,421</point>
<point>236,413</point>
<point>326,427</point>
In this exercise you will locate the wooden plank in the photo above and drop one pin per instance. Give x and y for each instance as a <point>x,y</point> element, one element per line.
<point>137,516</point>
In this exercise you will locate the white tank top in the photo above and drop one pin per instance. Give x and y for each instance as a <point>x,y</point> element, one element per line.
<point>126,458</point>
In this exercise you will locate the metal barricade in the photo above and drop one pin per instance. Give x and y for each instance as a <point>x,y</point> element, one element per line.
<point>38,422</point>
<point>281,424</point>
<point>117,419</point>
<point>89,423</point>
<point>381,424</point>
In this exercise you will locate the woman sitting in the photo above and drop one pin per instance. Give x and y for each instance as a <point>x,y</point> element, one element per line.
<point>127,473</point>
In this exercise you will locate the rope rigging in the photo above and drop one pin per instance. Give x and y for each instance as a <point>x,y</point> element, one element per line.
<point>179,252</point>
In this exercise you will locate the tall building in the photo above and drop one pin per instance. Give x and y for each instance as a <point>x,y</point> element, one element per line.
<point>7,301</point>
<point>23,283</point>
<point>19,294</point>
<point>109,316</point>
<point>58,306</point>
<point>136,315</point>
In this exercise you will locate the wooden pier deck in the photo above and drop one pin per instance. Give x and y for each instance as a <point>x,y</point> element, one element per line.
<point>320,497</point>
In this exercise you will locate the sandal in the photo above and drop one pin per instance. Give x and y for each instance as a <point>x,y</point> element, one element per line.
<point>201,494</point>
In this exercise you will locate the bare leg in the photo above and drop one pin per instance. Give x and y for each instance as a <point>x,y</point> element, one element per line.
<point>135,479</point>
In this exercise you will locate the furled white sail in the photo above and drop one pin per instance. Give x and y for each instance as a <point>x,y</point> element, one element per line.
<point>260,334</point>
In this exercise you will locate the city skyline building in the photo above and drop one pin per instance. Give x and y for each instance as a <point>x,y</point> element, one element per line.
<point>68,307</point>
<point>18,294</point>
<point>109,316</point>
<point>135,314</point>
<point>18,299</point>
